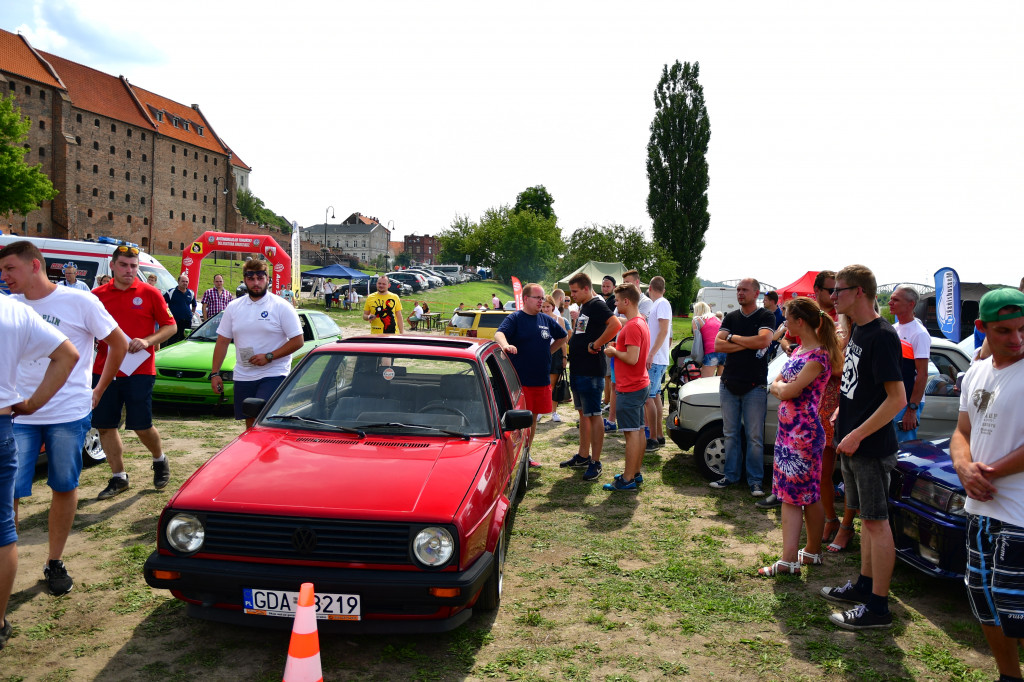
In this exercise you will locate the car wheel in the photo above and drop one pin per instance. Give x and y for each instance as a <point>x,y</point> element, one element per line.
<point>92,449</point>
<point>490,596</point>
<point>709,452</point>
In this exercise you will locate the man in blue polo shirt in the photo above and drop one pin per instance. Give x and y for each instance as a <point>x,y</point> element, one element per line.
<point>182,303</point>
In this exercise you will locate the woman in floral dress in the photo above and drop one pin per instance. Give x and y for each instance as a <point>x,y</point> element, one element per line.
<point>801,438</point>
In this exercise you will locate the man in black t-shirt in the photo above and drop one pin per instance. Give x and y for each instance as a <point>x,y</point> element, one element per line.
<point>871,394</point>
<point>745,335</point>
<point>595,326</point>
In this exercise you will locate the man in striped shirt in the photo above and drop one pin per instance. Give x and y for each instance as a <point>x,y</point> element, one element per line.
<point>216,299</point>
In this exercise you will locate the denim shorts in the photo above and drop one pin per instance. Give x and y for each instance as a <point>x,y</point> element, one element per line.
<point>259,388</point>
<point>134,394</point>
<point>867,484</point>
<point>713,359</point>
<point>587,393</point>
<point>629,409</point>
<point>8,472</point>
<point>63,454</point>
<point>656,373</point>
<point>994,578</point>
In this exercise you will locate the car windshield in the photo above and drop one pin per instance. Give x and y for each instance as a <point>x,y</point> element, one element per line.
<point>208,330</point>
<point>463,320</point>
<point>164,279</point>
<point>426,396</point>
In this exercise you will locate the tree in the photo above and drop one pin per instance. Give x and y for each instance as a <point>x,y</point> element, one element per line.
<point>677,171</point>
<point>252,209</point>
<point>403,259</point>
<point>22,187</point>
<point>535,199</point>
<point>523,243</point>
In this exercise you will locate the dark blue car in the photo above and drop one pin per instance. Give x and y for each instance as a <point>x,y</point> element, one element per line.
<point>926,510</point>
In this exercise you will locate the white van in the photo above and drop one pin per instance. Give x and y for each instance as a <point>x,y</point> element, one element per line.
<point>92,259</point>
<point>719,298</point>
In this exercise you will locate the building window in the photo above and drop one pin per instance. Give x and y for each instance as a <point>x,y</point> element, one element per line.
<point>42,124</point>
<point>184,152</point>
<point>42,151</point>
<point>215,161</point>
<point>160,116</point>
<point>111,196</point>
<point>113,128</point>
<point>195,176</point>
<point>184,173</point>
<point>214,199</point>
<point>174,121</point>
<point>78,189</point>
<point>42,94</point>
<point>96,122</point>
<point>110,216</point>
<point>143,139</point>
<point>172,191</point>
<point>111,172</point>
<point>129,220</point>
<point>204,178</point>
<point>95,191</point>
<point>204,220</point>
<point>90,213</point>
<point>143,157</point>
<point>214,220</point>
<point>182,247</point>
<point>39,226</point>
<point>145,221</point>
<point>168,243</point>
<point>183,217</point>
<point>128,153</point>
<point>143,179</point>
<point>78,118</point>
<point>185,124</point>
<point>128,176</point>
<point>199,129</point>
<point>95,168</point>
<point>194,196</point>
<point>78,165</point>
<point>78,140</point>
<point>111,149</point>
<point>96,146</point>
<point>174,149</point>
<point>206,158</point>
<point>142,200</point>
<point>193,220</point>
<point>129,132</point>
<point>127,198</point>
<point>204,198</point>
<point>172,170</point>
<point>195,155</point>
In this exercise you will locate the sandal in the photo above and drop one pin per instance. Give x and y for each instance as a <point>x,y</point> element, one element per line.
<point>792,568</point>
<point>808,559</point>
<point>826,535</point>
<point>835,546</point>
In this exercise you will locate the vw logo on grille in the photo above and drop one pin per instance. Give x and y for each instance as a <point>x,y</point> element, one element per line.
<point>304,540</point>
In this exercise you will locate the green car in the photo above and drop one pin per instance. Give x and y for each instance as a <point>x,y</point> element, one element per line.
<point>183,370</point>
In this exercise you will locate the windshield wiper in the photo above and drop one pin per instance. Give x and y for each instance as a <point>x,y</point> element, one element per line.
<point>447,432</point>
<point>307,420</point>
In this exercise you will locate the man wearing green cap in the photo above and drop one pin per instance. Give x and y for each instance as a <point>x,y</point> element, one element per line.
<point>987,449</point>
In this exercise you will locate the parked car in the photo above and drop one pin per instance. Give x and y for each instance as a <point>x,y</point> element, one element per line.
<point>696,419</point>
<point>476,323</point>
<point>417,282</point>
<point>432,279</point>
<point>394,286</point>
<point>183,370</point>
<point>383,471</point>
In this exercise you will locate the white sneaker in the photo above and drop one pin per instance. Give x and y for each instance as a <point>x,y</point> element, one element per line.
<point>555,419</point>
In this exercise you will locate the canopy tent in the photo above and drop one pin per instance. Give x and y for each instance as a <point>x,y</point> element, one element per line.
<point>802,287</point>
<point>596,271</point>
<point>336,270</point>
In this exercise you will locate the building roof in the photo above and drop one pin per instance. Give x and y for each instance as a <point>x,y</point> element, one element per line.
<point>17,57</point>
<point>235,161</point>
<point>98,92</point>
<point>343,228</point>
<point>179,122</point>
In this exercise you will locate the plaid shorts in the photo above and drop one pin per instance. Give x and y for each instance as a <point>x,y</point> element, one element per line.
<point>995,573</point>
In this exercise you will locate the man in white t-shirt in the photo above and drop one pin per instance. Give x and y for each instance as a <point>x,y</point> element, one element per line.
<point>633,277</point>
<point>63,423</point>
<point>916,345</point>
<point>987,449</point>
<point>71,277</point>
<point>659,321</point>
<point>266,331</point>
<point>27,338</point>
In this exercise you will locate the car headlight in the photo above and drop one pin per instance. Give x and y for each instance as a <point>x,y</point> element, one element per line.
<point>227,376</point>
<point>433,546</point>
<point>937,496</point>
<point>185,533</point>
<point>956,504</point>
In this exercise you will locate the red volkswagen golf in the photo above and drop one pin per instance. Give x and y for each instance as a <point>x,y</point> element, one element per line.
<point>383,471</point>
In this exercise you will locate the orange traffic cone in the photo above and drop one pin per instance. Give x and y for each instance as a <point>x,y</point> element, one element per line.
<point>304,649</point>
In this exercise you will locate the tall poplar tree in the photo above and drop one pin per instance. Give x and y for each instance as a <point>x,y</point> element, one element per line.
<point>677,172</point>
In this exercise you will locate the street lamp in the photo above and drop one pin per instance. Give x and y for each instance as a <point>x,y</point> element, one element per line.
<point>330,209</point>
<point>387,246</point>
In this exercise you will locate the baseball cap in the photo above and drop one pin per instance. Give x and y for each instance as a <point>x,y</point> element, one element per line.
<point>997,299</point>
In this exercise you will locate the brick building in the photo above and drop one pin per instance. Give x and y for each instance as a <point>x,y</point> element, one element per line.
<point>127,162</point>
<point>423,250</point>
<point>358,237</point>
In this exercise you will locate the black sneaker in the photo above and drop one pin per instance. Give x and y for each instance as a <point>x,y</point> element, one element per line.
<point>661,442</point>
<point>576,462</point>
<point>652,444</point>
<point>770,502</point>
<point>161,473</point>
<point>115,486</point>
<point>847,594</point>
<point>593,471</point>
<point>860,618</point>
<point>723,482</point>
<point>57,578</point>
<point>5,633</point>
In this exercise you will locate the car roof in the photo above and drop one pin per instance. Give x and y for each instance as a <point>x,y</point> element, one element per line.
<point>435,346</point>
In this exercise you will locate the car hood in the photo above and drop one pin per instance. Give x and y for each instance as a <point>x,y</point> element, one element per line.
<point>703,392</point>
<point>929,459</point>
<point>311,474</point>
<point>189,354</point>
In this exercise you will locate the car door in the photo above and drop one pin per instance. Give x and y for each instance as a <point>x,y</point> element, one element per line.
<point>507,396</point>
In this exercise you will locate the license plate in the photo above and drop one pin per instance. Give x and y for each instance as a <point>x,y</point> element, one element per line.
<point>283,603</point>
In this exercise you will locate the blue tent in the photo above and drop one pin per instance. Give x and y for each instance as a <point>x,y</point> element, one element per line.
<point>336,271</point>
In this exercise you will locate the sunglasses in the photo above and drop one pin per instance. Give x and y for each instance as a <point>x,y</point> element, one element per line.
<point>256,275</point>
<point>127,249</point>
<point>838,290</point>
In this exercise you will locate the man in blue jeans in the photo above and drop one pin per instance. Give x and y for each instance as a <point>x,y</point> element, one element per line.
<point>595,326</point>
<point>744,337</point>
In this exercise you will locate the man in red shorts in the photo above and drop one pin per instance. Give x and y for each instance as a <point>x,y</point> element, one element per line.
<point>530,338</point>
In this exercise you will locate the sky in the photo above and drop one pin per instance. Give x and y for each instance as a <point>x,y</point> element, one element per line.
<point>883,133</point>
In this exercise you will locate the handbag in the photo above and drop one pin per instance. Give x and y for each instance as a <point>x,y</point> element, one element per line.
<point>561,393</point>
<point>697,349</point>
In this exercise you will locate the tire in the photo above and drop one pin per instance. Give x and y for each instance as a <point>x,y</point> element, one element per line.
<point>709,452</point>
<point>92,449</point>
<point>490,595</point>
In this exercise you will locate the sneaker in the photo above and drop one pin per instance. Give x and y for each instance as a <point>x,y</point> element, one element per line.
<point>605,407</point>
<point>756,491</point>
<point>723,482</point>
<point>847,594</point>
<point>623,486</point>
<point>652,445</point>
<point>610,426</point>
<point>576,462</point>
<point>161,473</point>
<point>592,472</point>
<point>5,633</point>
<point>115,486</point>
<point>639,478</point>
<point>859,618</point>
<point>57,578</point>
<point>534,463</point>
<point>661,442</point>
<point>555,419</point>
<point>770,502</point>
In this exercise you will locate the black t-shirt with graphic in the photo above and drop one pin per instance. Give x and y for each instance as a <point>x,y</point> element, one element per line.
<point>873,357</point>
<point>747,366</point>
<point>590,325</point>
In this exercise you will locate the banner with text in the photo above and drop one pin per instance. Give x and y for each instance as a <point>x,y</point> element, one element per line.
<point>947,303</point>
<point>517,289</point>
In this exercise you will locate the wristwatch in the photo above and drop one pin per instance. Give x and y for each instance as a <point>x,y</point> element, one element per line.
<point>215,374</point>
<point>269,356</point>
<point>729,338</point>
<point>912,406</point>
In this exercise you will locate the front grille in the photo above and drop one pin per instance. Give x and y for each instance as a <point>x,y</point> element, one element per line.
<point>183,373</point>
<point>277,537</point>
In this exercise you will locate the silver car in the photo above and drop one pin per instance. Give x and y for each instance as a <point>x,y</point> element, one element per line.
<point>695,421</point>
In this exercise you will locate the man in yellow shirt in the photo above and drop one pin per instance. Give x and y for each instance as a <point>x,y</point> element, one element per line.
<point>383,310</point>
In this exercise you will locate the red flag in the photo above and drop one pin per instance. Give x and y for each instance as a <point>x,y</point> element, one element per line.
<point>517,289</point>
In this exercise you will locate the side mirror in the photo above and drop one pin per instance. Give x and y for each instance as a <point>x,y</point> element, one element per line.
<point>188,333</point>
<point>516,419</point>
<point>251,407</point>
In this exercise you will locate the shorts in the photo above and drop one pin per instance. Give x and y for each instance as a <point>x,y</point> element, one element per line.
<point>587,393</point>
<point>257,388</point>
<point>134,394</point>
<point>8,472</point>
<point>629,409</point>
<point>538,399</point>
<point>63,454</point>
<point>656,373</point>
<point>713,359</point>
<point>867,484</point>
<point>994,579</point>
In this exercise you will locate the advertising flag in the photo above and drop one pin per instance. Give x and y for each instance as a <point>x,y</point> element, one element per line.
<point>947,303</point>
<point>296,260</point>
<point>517,289</point>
